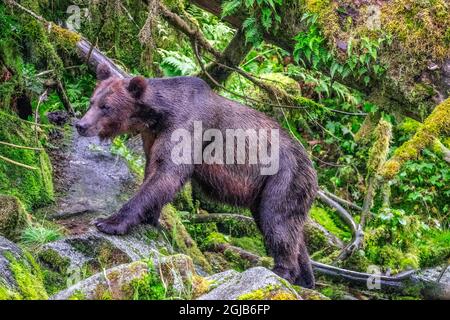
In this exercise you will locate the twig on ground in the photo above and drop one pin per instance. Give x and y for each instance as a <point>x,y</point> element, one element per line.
<point>20,147</point>
<point>17,163</point>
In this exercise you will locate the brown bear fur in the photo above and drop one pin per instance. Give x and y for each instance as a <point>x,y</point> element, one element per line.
<point>155,108</point>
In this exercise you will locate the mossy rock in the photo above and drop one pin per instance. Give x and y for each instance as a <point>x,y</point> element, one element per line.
<point>318,238</point>
<point>34,187</point>
<point>171,277</point>
<point>13,217</point>
<point>253,284</point>
<point>111,284</point>
<point>20,276</point>
<point>178,274</point>
<point>180,238</point>
<point>183,200</point>
<point>217,261</point>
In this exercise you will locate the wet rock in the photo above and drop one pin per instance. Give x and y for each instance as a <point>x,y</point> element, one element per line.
<point>98,182</point>
<point>218,279</point>
<point>253,284</point>
<point>58,118</point>
<point>20,278</point>
<point>13,217</point>
<point>94,250</point>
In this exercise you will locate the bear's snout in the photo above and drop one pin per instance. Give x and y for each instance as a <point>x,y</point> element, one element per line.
<point>81,128</point>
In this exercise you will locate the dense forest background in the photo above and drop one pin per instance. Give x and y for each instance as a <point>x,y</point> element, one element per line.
<point>363,85</point>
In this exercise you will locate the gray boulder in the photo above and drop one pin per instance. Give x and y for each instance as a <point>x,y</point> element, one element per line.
<point>253,284</point>
<point>175,275</point>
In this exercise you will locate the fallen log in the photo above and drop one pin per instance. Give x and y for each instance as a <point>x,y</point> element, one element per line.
<point>220,217</point>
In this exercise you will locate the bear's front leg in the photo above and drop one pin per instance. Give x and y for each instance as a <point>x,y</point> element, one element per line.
<point>158,189</point>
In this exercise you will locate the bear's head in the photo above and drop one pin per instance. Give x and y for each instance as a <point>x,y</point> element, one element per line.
<point>114,106</point>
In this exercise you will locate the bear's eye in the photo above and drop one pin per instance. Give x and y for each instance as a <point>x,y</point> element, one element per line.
<point>104,107</point>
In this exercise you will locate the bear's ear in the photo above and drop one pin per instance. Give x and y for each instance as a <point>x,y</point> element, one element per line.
<point>137,86</point>
<point>103,72</point>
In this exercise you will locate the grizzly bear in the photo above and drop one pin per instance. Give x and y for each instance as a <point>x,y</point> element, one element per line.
<point>164,109</point>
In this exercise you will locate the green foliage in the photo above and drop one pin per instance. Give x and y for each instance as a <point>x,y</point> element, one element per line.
<point>397,240</point>
<point>176,64</point>
<point>263,16</point>
<point>150,287</point>
<point>423,186</point>
<point>28,278</point>
<point>37,235</point>
<point>362,56</point>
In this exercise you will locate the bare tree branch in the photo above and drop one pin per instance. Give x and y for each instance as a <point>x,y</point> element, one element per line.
<point>342,201</point>
<point>193,34</point>
<point>357,233</point>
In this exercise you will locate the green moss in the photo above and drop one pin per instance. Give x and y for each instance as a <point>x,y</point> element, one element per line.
<point>420,26</point>
<point>235,261</point>
<point>8,294</point>
<point>66,38</point>
<point>380,148</point>
<point>319,245</point>
<point>331,222</point>
<point>54,260</point>
<point>409,126</point>
<point>437,123</point>
<point>78,295</point>
<point>217,261</point>
<point>327,17</point>
<point>309,294</point>
<point>200,232</point>
<point>434,249</point>
<point>334,292</point>
<point>33,187</point>
<point>183,200</point>
<point>398,241</point>
<point>251,244</point>
<point>54,282</point>
<point>269,292</point>
<point>28,277</point>
<point>237,228</point>
<point>180,238</point>
<point>215,238</point>
<point>13,217</point>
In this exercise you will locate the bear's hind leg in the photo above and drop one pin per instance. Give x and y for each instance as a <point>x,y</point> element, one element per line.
<point>305,277</point>
<point>280,233</point>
